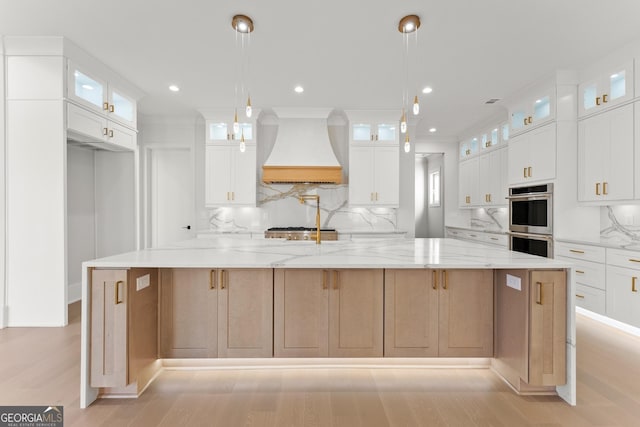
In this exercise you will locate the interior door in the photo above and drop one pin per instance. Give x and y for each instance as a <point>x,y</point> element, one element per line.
<point>172,196</point>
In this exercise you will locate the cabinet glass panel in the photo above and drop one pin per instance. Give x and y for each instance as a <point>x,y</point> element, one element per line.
<point>541,108</point>
<point>517,119</point>
<point>589,94</point>
<point>505,132</point>
<point>485,141</point>
<point>474,145</point>
<point>494,137</point>
<point>465,149</point>
<point>362,132</point>
<point>218,131</point>
<point>617,85</point>
<point>122,106</point>
<point>88,89</point>
<point>386,132</point>
<point>247,129</point>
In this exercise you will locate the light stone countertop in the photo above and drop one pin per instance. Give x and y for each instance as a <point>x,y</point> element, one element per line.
<point>605,242</point>
<point>227,252</point>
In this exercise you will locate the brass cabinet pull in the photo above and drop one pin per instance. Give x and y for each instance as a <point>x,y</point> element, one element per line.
<point>539,299</point>
<point>579,272</point>
<point>467,152</point>
<point>111,108</point>
<point>222,284</point>
<point>604,98</point>
<point>525,121</point>
<point>336,285</point>
<point>604,188</point>
<point>445,281</point>
<point>376,196</point>
<point>633,284</point>
<point>110,133</point>
<point>579,296</point>
<point>530,119</point>
<point>435,280</point>
<point>634,260</point>
<point>117,292</point>
<point>105,131</point>
<point>376,137</point>
<point>212,279</point>
<point>105,106</point>
<point>372,137</point>
<point>233,195</point>
<point>489,195</point>
<point>576,251</point>
<point>597,100</point>
<point>529,171</point>
<point>228,136</point>
<point>324,279</point>
<point>597,188</point>
<point>524,172</point>
<point>494,238</point>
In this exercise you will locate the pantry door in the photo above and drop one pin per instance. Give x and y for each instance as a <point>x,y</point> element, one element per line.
<point>171,196</point>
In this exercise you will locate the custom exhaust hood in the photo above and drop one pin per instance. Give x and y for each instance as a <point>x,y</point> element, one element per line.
<point>302,151</point>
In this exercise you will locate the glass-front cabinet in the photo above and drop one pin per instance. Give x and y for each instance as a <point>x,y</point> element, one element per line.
<point>218,130</point>
<point>90,91</point>
<point>490,138</point>
<point>534,111</point>
<point>368,132</point>
<point>469,147</point>
<point>609,88</point>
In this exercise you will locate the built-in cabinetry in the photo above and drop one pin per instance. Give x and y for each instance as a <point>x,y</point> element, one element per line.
<point>610,86</point>
<point>589,272</point>
<point>216,313</point>
<point>124,324</point>
<point>531,324</point>
<point>374,158</point>
<point>623,284</point>
<point>230,163</point>
<point>468,183</point>
<point>335,313</point>
<point>535,109</point>
<point>532,155</point>
<point>98,112</point>
<point>605,160</point>
<point>446,313</point>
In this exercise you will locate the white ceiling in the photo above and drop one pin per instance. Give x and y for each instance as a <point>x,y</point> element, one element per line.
<point>347,54</point>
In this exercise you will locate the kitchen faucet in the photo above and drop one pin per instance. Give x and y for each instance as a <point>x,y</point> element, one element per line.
<point>315,197</point>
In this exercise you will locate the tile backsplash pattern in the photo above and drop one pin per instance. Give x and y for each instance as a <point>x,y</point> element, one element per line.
<point>278,206</point>
<point>620,223</point>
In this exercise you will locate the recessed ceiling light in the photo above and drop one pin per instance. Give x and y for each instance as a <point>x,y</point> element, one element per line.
<point>174,88</point>
<point>299,89</point>
<point>427,90</point>
<point>432,130</point>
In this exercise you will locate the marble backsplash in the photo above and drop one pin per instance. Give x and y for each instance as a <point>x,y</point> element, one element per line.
<point>620,223</point>
<point>489,219</point>
<point>278,206</point>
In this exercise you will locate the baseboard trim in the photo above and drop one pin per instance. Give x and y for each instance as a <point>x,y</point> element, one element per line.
<point>624,327</point>
<point>74,292</point>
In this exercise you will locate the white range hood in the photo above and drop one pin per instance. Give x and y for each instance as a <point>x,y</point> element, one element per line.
<point>302,151</point>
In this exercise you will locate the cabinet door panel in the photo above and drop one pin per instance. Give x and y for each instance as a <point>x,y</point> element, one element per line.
<point>361,179</point>
<point>301,313</point>
<point>618,169</point>
<point>245,313</point>
<point>387,176</point>
<point>543,153</point>
<point>592,137</point>
<point>109,328</point>
<point>244,177</point>
<point>518,156</point>
<point>621,300</point>
<point>466,313</point>
<point>217,175</point>
<point>547,328</point>
<point>188,313</point>
<point>356,313</point>
<point>411,314</point>
<point>84,125</point>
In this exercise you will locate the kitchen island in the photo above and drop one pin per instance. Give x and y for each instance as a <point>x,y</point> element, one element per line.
<point>346,300</point>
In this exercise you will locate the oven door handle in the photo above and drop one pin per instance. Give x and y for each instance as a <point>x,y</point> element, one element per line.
<point>530,196</point>
<point>546,237</point>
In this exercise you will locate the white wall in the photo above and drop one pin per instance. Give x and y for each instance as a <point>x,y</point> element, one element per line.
<point>36,199</point>
<point>81,216</point>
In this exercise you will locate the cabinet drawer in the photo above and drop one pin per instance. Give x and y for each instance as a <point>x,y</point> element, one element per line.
<point>622,258</point>
<point>588,273</point>
<point>577,251</point>
<point>590,299</point>
<point>496,239</point>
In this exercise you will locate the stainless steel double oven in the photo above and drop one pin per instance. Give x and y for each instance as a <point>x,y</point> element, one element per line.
<point>531,219</point>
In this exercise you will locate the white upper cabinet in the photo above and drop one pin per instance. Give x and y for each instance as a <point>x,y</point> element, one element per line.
<point>93,92</point>
<point>374,176</point>
<point>490,138</point>
<point>605,160</point>
<point>221,130</point>
<point>532,156</point>
<point>611,87</point>
<point>230,176</point>
<point>493,178</point>
<point>468,184</point>
<point>469,147</point>
<point>374,131</point>
<point>535,110</point>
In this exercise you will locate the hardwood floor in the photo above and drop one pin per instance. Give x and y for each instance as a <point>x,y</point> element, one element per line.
<point>41,366</point>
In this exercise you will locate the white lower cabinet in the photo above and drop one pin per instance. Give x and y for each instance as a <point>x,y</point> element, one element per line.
<point>590,277</point>
<point>532,155</point>
<point>623,298</point>
<point>230,175</point>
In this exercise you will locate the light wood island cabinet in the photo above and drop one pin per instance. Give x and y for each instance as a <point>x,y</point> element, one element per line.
<point>335,313</point>
<point>445,313</point>
<point>216,312</point>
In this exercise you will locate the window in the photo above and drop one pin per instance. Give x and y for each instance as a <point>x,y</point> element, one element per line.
<point>434,188</point>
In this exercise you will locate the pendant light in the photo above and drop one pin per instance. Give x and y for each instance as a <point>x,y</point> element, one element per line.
<point>408,25</point>
<point>243,26</point>
<point>243,146</point>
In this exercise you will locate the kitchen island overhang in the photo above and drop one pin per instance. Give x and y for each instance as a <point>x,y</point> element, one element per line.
<point>227,254</point>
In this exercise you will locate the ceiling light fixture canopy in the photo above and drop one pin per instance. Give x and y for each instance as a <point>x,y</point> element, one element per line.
<point>409,24</point>
<point>242,24</point>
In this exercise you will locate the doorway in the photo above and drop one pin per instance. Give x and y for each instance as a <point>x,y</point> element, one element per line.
<point>429,196</point>
<point>170,202</point>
